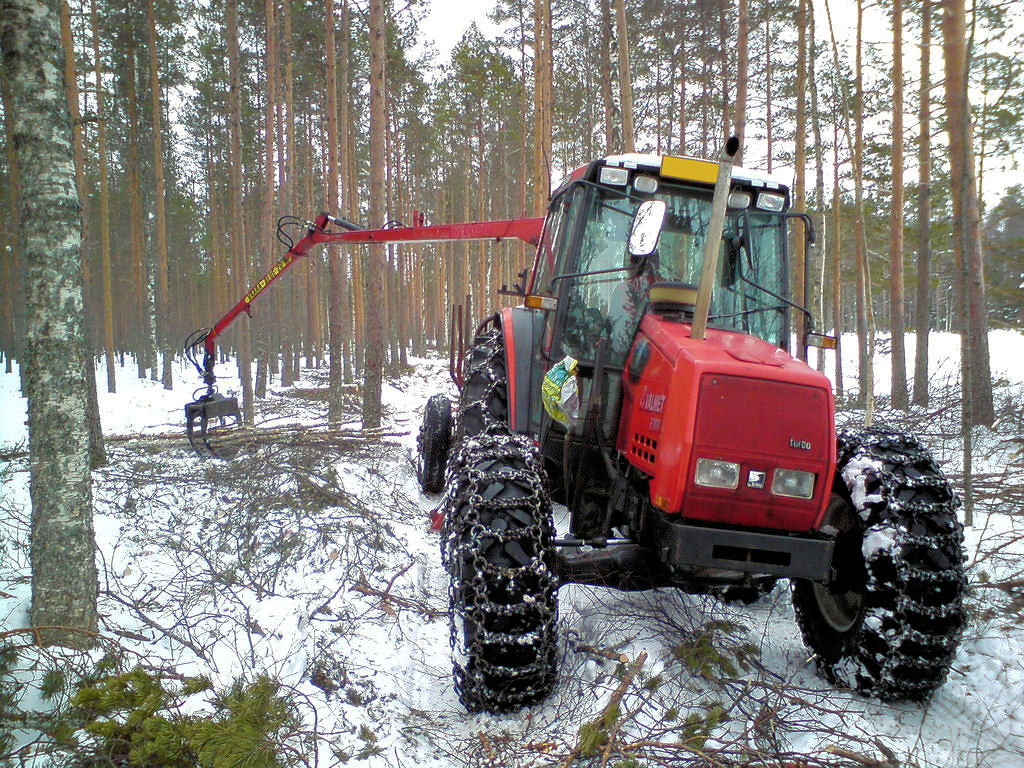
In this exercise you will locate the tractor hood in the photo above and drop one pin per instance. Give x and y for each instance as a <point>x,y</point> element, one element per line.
<point>730,429</point>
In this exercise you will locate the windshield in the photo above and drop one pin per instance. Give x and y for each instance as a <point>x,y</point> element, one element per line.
<point>610,305</point>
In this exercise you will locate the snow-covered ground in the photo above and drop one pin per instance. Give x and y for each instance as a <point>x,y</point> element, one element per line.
<point>317,565</point>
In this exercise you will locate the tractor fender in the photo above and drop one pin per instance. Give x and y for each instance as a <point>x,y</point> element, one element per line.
<point>522,331</point>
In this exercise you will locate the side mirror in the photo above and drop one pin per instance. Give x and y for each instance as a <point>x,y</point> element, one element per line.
<point>643,237</point>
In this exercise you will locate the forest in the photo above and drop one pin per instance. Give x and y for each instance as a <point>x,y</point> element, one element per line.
<point>288,606</point>
<point>182,183</point>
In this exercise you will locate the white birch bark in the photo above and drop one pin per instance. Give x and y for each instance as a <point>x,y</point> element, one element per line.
<point>64,577</point>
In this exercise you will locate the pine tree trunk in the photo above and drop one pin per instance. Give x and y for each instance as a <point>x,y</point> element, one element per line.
<point>682,97</point>
<point>742,68</point>
<point>345,257</point>
<point>864,345</point>
<point>268,350</point>
<point>817,286</point>
<point>966,215</point>
<point>608,97</point>
<point>837,295</point>
<point>334,305</point>
<point>922,308</point>
<point>289,373</point>
<point>373,276</point>
<point>14,258</point>
<point>896,308</point>
<point>768,125</point>
<point>541,148</point>
<point>799,184</point>
<point>101,149</point>
<point>163,297</point>
<point>625,79</point>
<point>97,451</point>
<point>724,49</point>
<point>63,559</point>
<point>139,341</point>
<point>237,225</point>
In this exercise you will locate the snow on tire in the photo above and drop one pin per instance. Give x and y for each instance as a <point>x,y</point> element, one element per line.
<point>497,546</point>
<point>890,622</point>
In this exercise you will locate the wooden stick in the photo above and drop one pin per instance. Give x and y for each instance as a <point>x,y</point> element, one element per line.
<point>713,244</point>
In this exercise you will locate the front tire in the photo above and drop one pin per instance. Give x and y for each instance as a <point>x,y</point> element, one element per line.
<point>497,545</point>
<point>890,622</point>
<point>433,442</point>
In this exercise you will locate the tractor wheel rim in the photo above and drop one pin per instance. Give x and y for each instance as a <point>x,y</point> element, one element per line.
<point>840,610</point>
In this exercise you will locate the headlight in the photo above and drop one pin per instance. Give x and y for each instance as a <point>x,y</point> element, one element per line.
<point>770,201</point>
<point>647,185</point>
<point>713,473</point>
<point>792,482</point>
<point>739,199</point>
<point>617,176</point>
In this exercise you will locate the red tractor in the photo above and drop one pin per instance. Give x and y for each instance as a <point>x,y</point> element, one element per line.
<point>645,383</point>
<point>692,450</point>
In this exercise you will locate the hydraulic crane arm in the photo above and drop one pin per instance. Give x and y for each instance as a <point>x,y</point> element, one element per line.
<point>212,406</point>
<point>527,230</point>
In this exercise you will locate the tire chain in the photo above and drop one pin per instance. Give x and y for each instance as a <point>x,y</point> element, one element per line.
<point>528,614</point>
<point>485,388</point>
<point>909,499</point>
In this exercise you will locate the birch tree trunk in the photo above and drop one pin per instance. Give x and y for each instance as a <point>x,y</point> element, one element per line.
<point>64,575</point>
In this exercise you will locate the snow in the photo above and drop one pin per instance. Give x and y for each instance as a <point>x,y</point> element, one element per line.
<point>319,569</point>
<point>879,538</point>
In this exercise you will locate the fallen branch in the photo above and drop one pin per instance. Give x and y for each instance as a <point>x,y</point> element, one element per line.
<point>610,708</point>
<point>871,762</point>
<point>603,653</point>
<point>386,598</point>
<point>170,633</point>
<point>296,434</point>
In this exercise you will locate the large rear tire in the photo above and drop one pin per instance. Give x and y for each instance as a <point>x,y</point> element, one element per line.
<point>890,622</point>
<point>433,443</point>
<point>497,545</point>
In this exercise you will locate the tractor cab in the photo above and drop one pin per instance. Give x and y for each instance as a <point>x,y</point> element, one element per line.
<point>584,263</point>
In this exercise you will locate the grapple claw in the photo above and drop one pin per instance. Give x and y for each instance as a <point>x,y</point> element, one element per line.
<point>208,420</point>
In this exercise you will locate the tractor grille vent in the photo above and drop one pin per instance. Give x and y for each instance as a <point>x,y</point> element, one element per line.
<point>644,447</point>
